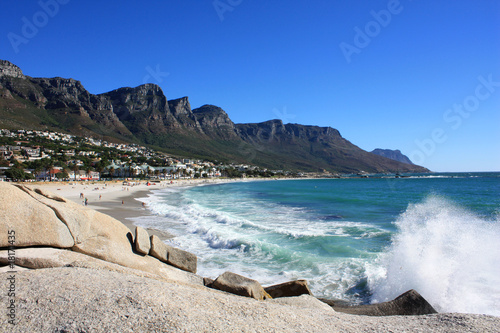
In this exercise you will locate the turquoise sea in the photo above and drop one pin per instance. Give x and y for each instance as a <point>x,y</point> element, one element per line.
<point>362,240</point>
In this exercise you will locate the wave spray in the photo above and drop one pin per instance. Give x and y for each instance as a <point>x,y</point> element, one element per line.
<point>446,253</point>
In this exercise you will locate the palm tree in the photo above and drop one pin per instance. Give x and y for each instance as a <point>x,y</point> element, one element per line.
<point>129,167</point>
<point>49,164</point>
<point>75,169</point>
<point>38,169</point>
<point>88,169</point>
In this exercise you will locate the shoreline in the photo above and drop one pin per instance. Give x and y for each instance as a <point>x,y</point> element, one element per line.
<point>115,193</point>
<point>121,201</point>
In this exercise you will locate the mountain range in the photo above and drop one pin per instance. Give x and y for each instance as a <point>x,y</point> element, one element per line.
<point>396,155</point>
<point>144,115</point>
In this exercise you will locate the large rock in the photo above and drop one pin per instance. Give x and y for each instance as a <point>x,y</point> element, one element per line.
<point>181,259</point>
<point>173,256</point>
<point>9,69</point>
<point>32,222</point>
<point>142,242</point>
<point>289,289</point>
<point>70,299</point>
<point>159,250</point>
<point>409,303</point>
<point>40,218</point>
<point>303,301</point>
<point>240,285</point>
<point>77,218</point>
<point>38,258</point>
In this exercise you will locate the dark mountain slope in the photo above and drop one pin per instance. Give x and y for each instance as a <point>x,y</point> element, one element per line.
<point>144,115</point>
<point>314,147</point>
<point>395,155</point>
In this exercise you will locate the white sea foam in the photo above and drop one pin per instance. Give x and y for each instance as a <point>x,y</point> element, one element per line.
<point>447,254</point>
<point>262,240</point>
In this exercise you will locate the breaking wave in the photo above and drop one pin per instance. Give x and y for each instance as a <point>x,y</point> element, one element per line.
<point>446,253</point>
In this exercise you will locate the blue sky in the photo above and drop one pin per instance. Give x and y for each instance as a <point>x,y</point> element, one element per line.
<point>421,76</point>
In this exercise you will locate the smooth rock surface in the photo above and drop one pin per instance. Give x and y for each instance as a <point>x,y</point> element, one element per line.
<point>159,250</point>
<point>33,222</point>
<point>141,241</point>
<point>41,218</point>
<point>239,285</point>
<point>173,256</point>
<point>181,259</point>
<point>86,300</point>
<point>15,268</point>
<point>289,289</point>
<point>38,258</point>
<point>303,301</point>
<point>408,304</point>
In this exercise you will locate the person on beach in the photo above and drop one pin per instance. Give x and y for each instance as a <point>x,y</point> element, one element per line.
<point>86,201</point>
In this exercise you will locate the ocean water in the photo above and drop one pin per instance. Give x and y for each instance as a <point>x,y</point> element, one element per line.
<point>360,240</point>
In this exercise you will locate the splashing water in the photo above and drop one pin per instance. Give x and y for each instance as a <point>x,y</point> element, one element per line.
<point>356,240</point>
<point>446,253</point>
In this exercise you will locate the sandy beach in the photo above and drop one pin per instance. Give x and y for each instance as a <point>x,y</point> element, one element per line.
<point>120,199</point>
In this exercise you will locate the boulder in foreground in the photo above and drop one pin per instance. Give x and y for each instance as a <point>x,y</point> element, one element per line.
<point>33,222</point>
<point>71,299</point>
<point>289,289</point>
<point>303,301</point>
<point>42,219</point>
<point>173,256</point>
<point>182,259</point>
<point>142,242</point>
<point>407,304</point>
<point>240,285</point>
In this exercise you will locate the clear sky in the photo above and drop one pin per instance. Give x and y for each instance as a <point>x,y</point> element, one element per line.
<point>422,76</point>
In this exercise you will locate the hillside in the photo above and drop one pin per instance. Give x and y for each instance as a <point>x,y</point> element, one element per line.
<point>395,155</point>
<point>144,115</point>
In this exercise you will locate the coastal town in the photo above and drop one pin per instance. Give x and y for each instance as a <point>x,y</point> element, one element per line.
<point>27,155</point>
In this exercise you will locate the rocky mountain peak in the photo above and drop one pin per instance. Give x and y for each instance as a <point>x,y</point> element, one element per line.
<point>215,122</point>
<point>180,106</point>
<point>128,101</point>
<point>148,89</point>
<point>9,69</point>
<point>63,85</point>
<point>395,155</point>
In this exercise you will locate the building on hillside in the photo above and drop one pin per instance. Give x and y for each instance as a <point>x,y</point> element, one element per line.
<point>82,175</point>
<point>50,174</point>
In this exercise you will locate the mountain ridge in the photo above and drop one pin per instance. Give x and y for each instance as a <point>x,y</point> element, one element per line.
<point>396,155</point>
<point>143,114</point>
